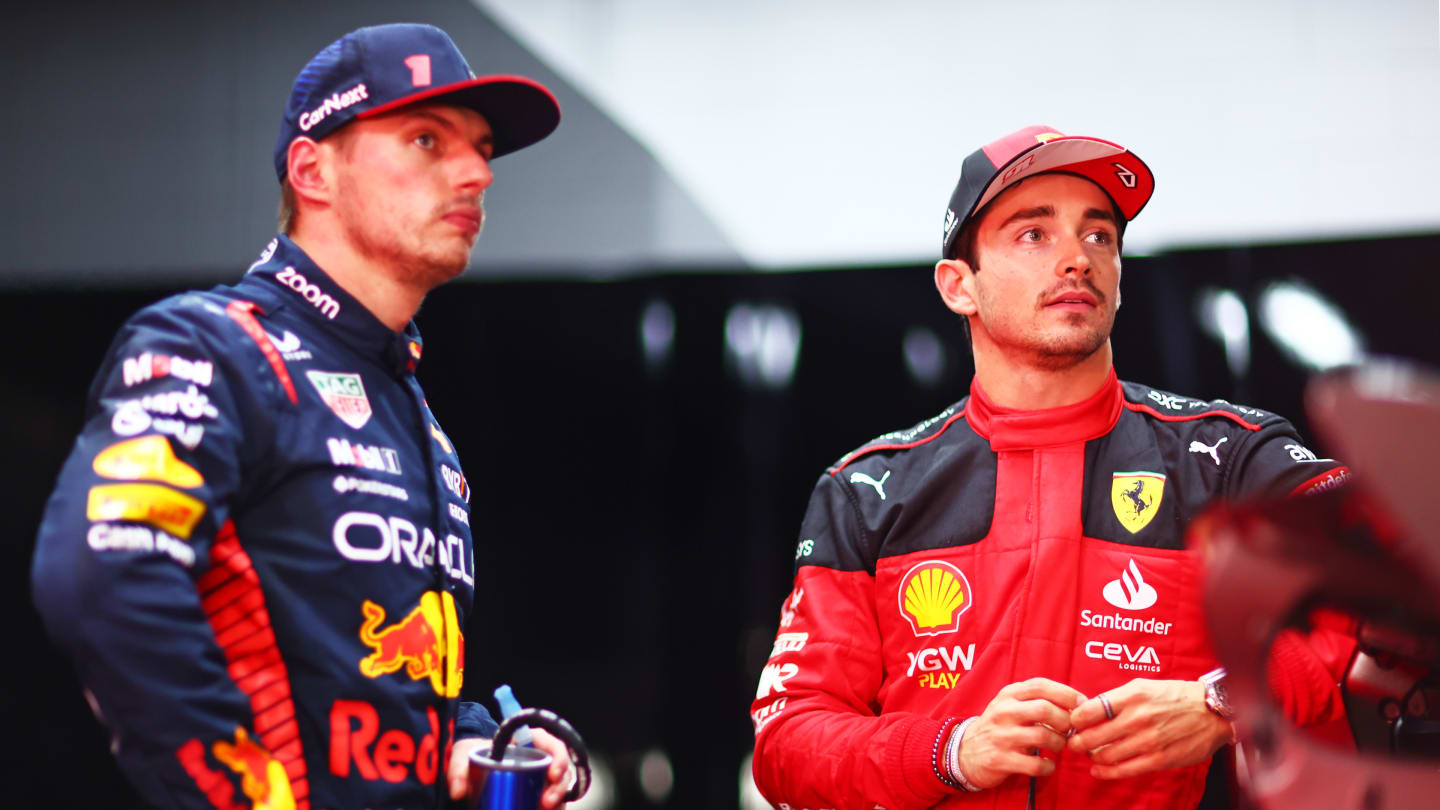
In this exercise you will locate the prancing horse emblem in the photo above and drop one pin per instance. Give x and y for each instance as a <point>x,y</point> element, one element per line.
<point>1135,497</point>
<point>862,478</point>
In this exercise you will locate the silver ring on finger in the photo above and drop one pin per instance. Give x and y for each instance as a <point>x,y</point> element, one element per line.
<point>1105,703</point>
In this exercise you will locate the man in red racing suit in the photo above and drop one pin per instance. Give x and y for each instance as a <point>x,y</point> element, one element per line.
<point>995,607</point>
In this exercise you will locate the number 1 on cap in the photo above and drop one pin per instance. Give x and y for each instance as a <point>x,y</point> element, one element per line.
<point>419,65</point>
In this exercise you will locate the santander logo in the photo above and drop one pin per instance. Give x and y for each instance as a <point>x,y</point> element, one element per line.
<point>1130,591</point>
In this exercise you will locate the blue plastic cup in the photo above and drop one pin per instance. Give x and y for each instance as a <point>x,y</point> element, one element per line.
<point>512,783</point>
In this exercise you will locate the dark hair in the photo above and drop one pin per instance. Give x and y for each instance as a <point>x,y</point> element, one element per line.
<point>965,251</point>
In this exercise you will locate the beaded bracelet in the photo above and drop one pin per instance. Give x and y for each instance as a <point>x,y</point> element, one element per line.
<point>942,769</point>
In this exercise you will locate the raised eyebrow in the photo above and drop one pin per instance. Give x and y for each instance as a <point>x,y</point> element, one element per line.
<point>1037,212</point>
<point>1101,213</point>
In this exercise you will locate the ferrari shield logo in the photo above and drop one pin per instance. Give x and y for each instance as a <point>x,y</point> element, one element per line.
<point>1135,497</point>
<point>344,394</point>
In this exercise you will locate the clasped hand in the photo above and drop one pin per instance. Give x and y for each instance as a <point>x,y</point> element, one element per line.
<point>1156,725</point>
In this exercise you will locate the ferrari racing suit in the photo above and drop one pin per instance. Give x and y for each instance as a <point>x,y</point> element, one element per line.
<point>988,545</point>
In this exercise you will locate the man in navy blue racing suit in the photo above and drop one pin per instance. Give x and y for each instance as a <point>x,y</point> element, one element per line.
<point>258,553</point>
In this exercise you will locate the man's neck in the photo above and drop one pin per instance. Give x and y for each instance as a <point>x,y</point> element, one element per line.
<point>390,300</point>
<point>1012,383</point>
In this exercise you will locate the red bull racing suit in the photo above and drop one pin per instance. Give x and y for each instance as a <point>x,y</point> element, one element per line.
<point>258,553</point>
<point>986,546</point>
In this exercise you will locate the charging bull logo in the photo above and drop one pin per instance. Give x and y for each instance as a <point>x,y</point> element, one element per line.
<point>262,777</point>
<point>932,596</point>
<point>1136,497</point>
<point>427,643</point>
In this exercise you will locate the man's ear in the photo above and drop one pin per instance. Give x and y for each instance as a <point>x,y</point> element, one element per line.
<point>308,171</point>
<point>956,282</point>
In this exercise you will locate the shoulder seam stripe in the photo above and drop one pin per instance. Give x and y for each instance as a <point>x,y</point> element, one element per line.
<point>243,313</point>
<point>1170,417</point>
<point>844,462</point>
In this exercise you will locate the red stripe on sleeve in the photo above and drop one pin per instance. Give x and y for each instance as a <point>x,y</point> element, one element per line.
<point>230,593</point>
<point>242,313</point>
<point>1324,482</point>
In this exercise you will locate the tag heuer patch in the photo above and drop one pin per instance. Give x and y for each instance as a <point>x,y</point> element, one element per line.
<point>344,394</point>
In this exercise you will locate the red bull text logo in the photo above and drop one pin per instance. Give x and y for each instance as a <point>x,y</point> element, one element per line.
<point>356,741</point>
<point>427,643</point>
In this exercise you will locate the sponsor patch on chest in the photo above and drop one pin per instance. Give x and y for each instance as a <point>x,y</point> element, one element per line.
<point>343,394</point>
<point>1136,498</point>
<point>932,596</point>
<point>1127,621</point>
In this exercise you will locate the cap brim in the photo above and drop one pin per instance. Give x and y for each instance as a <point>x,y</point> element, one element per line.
<point>1111,166</point>
<point>520,111</point>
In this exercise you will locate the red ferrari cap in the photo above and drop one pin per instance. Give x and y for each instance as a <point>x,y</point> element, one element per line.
<point>1036,150</point>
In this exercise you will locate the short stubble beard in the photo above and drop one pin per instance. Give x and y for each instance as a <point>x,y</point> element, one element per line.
<point>1066,352</point>
<point>421,267</point>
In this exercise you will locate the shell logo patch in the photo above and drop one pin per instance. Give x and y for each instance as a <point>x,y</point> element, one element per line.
<point>1136,497</point>
<point>932,596</point>
<point>159,506</point>
<point>147,458</point>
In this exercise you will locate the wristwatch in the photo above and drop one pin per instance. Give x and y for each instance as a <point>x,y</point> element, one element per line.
<point>1217,699</point>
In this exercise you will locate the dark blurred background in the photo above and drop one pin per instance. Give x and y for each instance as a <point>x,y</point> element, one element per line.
<point>640,435</point>
<point>639,508</point>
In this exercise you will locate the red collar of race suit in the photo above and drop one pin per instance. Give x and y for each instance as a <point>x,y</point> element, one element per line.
<point>1016,429</point>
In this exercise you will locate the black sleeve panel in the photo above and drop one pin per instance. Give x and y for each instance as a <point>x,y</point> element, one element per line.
<point>829,534</point>
<point>1275,462</point>
<point>1203,449</point>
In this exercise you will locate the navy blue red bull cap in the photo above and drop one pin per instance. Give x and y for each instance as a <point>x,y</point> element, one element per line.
<point>1036,150</point>
<point>373,70</point>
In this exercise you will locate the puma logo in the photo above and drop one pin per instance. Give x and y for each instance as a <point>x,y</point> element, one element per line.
<point>862,478</point>
<point>1213,452</point>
